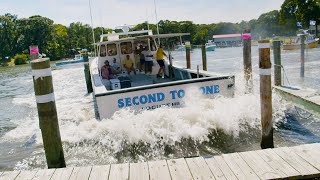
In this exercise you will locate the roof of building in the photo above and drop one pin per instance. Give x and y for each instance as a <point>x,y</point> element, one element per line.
<point>226,36</point>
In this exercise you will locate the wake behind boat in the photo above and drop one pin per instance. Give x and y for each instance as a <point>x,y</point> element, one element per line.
<point>141,91</point>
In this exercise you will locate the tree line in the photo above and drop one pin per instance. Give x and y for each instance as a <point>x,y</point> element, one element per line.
<point>59,41</point>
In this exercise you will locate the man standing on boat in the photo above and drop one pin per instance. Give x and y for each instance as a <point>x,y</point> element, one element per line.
<point>160,60</point>
<point>148,60</point>
<point>128,65</point>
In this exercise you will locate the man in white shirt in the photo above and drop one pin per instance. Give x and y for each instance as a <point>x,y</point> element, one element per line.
<point>148,60</point>
<point>116,69</point>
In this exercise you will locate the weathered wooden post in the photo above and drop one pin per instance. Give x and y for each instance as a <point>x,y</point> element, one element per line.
<point>204,57</point>
<point>34,52</point>
<point>246,38</point>
<point>265,94</point>
<point>198,73</point>
<point>302,38</point>
<point>277,62</point>
<point>87,73</point>
<point>188,49</point>
<point>47,112</point>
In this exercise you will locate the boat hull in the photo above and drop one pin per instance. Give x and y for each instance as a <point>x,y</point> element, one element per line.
<point>297,46</point>
<point>153,96</point>
<point>210,48</point>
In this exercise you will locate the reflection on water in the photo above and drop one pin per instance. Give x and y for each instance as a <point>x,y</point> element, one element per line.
<point>204,127</point>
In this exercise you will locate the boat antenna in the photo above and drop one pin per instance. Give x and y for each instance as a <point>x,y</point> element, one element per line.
<point>94,41</point>
<point>155,11</point>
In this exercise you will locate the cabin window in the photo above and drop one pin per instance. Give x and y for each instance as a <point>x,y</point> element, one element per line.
<point>103,51</point>
<point>126,47</point>
<point>112,49</point>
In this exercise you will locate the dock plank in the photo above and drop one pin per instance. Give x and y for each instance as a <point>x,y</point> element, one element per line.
<point>81,173</point>
<point>99,172</point>
<point>199,168</point>
<point>159,170</point>
<point>179,169</point>
<point>297,162</point>
<point>43,174</point>
<point>259,166</point>
<point>278,164</point>
<point>226,170</point>
<point>26,175</point>
<point>308,156</point>
<point>8,175</point>
<point>62,173</point>
<point>214,167</point>
<point>119,171</point>
<point>235,162</point>
<point>139,171</point>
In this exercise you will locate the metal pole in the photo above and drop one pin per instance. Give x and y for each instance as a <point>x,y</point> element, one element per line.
<point>94,41</point>
<point>277,62</point>
<point>155,11</point>
<point>265,94</point>
<point>302,38</point>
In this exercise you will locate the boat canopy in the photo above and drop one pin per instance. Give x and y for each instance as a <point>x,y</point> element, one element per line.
<point>163,35</point>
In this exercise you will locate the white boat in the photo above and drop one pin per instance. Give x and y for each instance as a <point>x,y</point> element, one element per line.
<point>78,58</point>
<point>146,92</point>
<point>210,46</point>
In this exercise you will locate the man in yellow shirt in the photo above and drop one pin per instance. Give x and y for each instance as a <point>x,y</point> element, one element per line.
<point>160,60</point>
<point>128,65</point>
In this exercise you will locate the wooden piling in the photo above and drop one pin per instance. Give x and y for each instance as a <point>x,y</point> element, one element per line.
<point>198,73</point>
<point>34,52</point>
<point>277,62</point>
<point>87,73</point>
<point>265,94</point>
<point>302,38</point>
<point>48,119</point>
<point>204,57</point>
<point>247,65</point>
<point>188,49</point>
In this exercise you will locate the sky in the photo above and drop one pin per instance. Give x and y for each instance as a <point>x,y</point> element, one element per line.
<point>112,13</point>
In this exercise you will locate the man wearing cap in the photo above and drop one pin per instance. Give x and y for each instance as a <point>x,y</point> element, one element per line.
<point>106,71</point>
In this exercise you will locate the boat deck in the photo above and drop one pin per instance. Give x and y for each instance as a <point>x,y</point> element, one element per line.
<point>306,99</point>
<point>139,80</point>
<point>279,163</point>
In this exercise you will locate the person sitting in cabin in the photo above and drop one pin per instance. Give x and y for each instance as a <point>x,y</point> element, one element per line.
<point>106,71</point>
<point>116,69</point>
<point>128,65</point>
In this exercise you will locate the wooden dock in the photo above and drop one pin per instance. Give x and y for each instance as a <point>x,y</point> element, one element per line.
<point>306,99</point>
<point>279,163</point>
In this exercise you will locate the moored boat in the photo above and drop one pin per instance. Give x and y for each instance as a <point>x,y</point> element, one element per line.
<point>310,42</point>
<point>78,58</point>
<point>143,91</point>
<point>210,46</point>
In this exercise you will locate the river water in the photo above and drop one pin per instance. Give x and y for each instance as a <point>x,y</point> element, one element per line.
<point>202,128</point>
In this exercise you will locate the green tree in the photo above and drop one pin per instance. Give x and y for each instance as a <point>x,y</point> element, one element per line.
<point>300,10</point>
<point>35,30</point>
<point>8,35</point>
